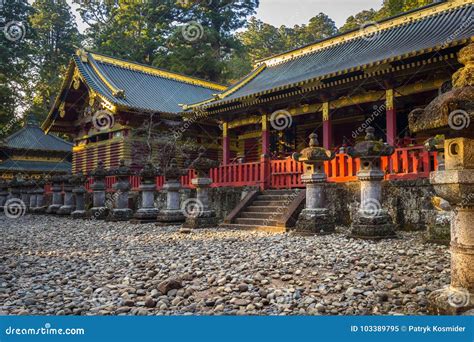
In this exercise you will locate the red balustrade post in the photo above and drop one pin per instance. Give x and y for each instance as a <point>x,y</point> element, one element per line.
<point>265,172</point>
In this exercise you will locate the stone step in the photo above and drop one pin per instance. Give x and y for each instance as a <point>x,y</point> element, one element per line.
<point>270,229</point>
<point>263,209</point>
<point>279,192</point>
<point>273,203</point>
<point>286,198</point>
<point>257,222</point>
<point>260,215</point>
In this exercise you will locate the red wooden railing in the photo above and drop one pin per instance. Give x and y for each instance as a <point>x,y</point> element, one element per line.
<point>405,163</point>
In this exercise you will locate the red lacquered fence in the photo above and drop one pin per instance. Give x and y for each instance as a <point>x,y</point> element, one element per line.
<point>405,163</point>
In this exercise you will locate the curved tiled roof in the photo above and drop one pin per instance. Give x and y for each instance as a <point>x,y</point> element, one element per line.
<point>144,88</point>
<point>32,137</point>
<point>325,59</point>
<point>35,166</point>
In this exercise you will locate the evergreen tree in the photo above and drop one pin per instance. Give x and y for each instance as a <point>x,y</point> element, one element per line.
<point>55,36</point>
<point>15,51</point>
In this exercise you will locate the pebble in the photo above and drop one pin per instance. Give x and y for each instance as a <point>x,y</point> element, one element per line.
<point>53,265</point>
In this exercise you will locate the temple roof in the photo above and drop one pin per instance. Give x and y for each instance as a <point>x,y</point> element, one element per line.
<point>132,86</point>
<point>32,137</point>
<point>428,29</point>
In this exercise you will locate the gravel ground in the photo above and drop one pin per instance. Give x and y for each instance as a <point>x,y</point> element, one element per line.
<point>59,266</point>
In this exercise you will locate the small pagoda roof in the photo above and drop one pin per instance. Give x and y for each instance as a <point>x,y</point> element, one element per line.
<point>35,166</point>
<point>132,86</point>
<point>32,137</point>
<point>428,29</point>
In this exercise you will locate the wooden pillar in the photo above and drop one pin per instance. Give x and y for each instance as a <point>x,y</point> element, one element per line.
<point>327,127</point>
<point>265,167</point>
<point>265,136</point>
<point>225,144</point>
<point>391,117</point>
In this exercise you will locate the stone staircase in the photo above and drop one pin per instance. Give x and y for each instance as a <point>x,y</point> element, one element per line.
<point>270,210</point>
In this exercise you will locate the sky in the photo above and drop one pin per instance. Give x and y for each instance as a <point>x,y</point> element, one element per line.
<point>292,12</point>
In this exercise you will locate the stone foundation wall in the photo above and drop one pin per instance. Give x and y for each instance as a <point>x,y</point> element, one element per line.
<point>408,202</point>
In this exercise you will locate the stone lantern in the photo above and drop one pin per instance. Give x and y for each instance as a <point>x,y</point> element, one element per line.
<point>31,186</point>
<point>438,223</point>
<point>99,210</point>
<point>452,114</point>
<point>173,212</point>
<point>121,211</point>
<point>56,188</point>
<point>147,212</point>
<point>68,205</point>
<point>78,181</point>
<point>3,193</point>
<point>14,186</point>
<point>197,211</point>
<point>371,220</point>
<point>39,207</point>
<point>26,185</point>
<point>314,218</point>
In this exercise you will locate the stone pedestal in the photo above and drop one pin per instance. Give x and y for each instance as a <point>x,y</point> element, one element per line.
<point>173,212</point>
<point>80,209</point>
<point>57,197</point>
<point>147,213</point>
<point>98,211</point>
<point>314,219</point>
<point>121,211</point>
<point>40,208</point>
<point>372,221</point>
<point>197,211</point>
<point>3,194</point>
<point>68,205</point>
<point>32,204</point>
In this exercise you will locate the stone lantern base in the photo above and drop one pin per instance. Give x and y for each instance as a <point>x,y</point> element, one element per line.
<point>204,219</point>
<point>438,228</point>
<point>120,214</point>
<point>99,213</point>
<point>450,301</point>
<point>79,214</point>
<point>377,226</point>
<point>170,216</point>
<point>53,209</point>
<point>65,210</point>
<point>314,222</point>
<point>145,215</point>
